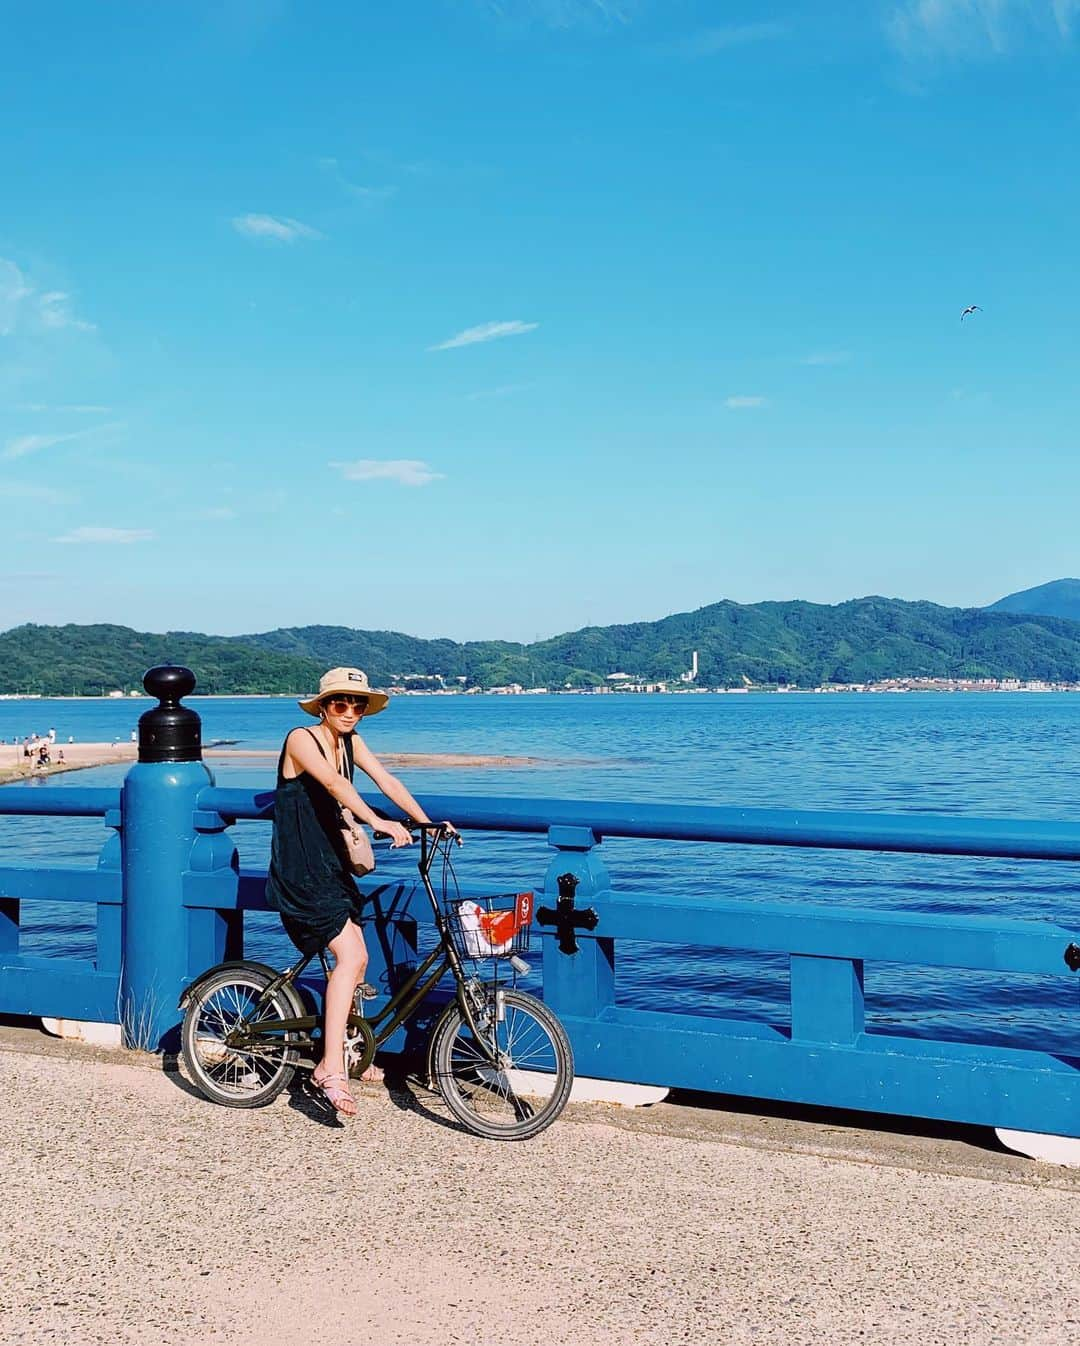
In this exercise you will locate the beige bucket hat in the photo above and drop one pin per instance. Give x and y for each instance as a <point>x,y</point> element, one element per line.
<point>347,681</point>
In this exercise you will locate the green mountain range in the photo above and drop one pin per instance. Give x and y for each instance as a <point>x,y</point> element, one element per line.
<point>795,643</point>
<point>1059,598</point>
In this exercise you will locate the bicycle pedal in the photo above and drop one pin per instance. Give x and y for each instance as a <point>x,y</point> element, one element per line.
<point>365,991</point>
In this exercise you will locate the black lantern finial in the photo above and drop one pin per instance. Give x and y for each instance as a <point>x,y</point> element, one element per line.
<point>170,732</point>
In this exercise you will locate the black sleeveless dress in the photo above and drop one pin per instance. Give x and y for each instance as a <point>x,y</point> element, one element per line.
<point>309,881</point>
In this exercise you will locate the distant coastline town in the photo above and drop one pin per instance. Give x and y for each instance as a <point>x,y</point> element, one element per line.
<point>620,683</point>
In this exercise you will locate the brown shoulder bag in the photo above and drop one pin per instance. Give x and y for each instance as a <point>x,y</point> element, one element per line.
<point>356,843</point>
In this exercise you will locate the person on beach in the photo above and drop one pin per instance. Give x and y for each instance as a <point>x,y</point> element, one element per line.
<point>310,882</point>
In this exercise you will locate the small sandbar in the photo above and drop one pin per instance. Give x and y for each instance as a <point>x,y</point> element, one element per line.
<point>76,756</point>
<point>79,756</point>
<point>412,760</point>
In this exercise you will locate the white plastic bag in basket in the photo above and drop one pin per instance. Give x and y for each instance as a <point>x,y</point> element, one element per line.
<point>476,946</point>
<point>478,927</point>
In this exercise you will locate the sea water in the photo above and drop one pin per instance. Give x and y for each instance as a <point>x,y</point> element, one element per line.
<point>988,755</point>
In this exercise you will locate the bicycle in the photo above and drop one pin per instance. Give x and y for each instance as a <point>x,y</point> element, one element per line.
<point>498,1056</point>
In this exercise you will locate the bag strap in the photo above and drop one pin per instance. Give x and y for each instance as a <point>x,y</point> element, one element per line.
<point>322,749</point>
<point>348,766</point>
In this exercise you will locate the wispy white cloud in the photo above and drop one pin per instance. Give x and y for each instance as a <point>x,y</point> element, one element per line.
<point>969,29</point>
<point>826,358</point>
<point>368,195</point>
<point>27,490</point>
<point>22,577</point>
<point>215,514</point>
<point>744,403</point>
<point>280,228</point>
<point>564,13</point>
<point>507,390</point>
<point>712,41</point>
<point>1065,11</point>
<point>54,309</point>
<point>86,533</point>
<point>81,408</point>
<point>14,290</point>
<point>24,307</point>
<point>22,445</point>
<point>487,331</point>
<point>405,471</point>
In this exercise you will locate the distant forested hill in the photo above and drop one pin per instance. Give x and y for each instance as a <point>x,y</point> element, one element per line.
<point>1059,598</point>
<point>89,660</point>
<point>769,643</point>
<point>857,641</point>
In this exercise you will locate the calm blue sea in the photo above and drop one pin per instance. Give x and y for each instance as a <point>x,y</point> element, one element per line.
<point>984,755</point>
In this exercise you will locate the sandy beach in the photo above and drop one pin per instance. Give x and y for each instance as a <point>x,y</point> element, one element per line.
<point>79,756</point>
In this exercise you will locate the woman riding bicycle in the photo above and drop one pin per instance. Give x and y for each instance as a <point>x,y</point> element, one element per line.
<point>310,881</point>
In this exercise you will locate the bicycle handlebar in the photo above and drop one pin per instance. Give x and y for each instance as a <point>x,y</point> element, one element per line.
<point>440,829</point>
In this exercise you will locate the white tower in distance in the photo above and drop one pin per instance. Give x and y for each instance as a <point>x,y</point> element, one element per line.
<point>692,674</point>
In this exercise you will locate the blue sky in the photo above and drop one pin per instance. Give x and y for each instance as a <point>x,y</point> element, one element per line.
<point>484,319</point>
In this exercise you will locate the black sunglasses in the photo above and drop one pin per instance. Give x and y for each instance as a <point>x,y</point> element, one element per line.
<point>338,705</point>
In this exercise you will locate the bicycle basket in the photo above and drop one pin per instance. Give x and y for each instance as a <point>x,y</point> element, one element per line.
<point>490,927</point>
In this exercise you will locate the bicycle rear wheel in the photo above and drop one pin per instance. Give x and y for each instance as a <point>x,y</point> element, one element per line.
<point>527,1085</point>
<point>239,1077</point>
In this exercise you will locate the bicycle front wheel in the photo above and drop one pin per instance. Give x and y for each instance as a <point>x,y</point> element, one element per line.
<point>239,1077</point>
<point>510,1079</point>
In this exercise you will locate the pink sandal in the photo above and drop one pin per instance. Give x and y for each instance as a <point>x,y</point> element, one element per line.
<point>335,1089</point>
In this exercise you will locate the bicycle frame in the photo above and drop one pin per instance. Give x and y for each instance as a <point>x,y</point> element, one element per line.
<point>405,1000</point>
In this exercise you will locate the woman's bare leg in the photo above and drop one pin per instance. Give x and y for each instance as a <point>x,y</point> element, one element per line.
<point>350,964</point>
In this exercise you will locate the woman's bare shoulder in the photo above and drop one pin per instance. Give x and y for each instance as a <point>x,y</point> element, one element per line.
<point>300,742</point>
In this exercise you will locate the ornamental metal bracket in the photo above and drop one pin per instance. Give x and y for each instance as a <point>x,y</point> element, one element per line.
<point>566,918</point>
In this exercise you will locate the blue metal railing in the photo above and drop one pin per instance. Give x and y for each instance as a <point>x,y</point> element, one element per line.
<point>1016,838</point>
<point>65,988</point>
<point>49,802</point>
<point>826,1057</point>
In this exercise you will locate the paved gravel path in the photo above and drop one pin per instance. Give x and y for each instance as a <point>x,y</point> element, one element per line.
<point>135,1212</point>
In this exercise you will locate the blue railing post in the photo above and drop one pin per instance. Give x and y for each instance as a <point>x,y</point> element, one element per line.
<point>826,999</point>
<point>582,983</point>
<point>214,933</point>
<point>158,804</point>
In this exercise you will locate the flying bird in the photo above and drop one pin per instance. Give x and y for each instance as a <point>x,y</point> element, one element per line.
<point>971,308</point>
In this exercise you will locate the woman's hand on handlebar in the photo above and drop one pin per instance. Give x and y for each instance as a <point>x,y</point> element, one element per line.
<point>447,829</point>
<point>399,835</point>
